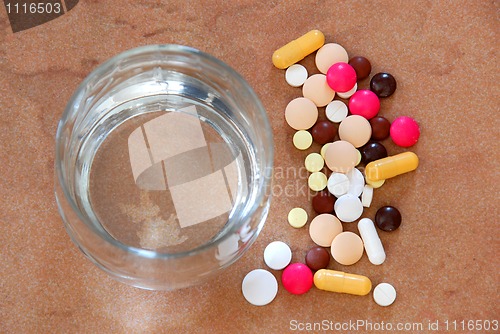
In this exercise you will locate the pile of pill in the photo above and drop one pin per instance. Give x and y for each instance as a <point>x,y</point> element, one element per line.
<point>343,189</point>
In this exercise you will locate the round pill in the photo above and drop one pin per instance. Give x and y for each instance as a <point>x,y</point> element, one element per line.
<point>323,132</point>
<point>362,67</point>
<point>302,140</point>
<point>341,77</point>
<point>323,202</point>
<point>338,184</point>
<point>317,181</point>
<point>323,149</point>
<point>336,111</point>
<point>375,184</point>
<point>324,228</point>
<point>314,162</point>
<point>373,151</point>
<point>348,208</point>
<point>297,217</point>
<point>259,287</point>
<point>341,156</point>
<point>297,278</point>
<point>330,54</point>
<point>347,248</point>
<point>364,103</point>
<point>388,218</point>
<point>349,93</point>
<point>277,255</point>
<point>380,127</point>
<point>359,158</point>
<point>317,90</point>
<point>384,294</point>
<point>367,196</point>
<point>383,84</point>
<point>405,131</point>
<point>317,258</point>
<point>356,182</point>
<point>301,113</point>
<point>296,75</point>
<point>356,130</point>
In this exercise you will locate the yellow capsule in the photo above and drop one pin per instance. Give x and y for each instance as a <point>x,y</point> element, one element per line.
<point>338,281</point>
<point>298,49</point>
<point>391,166</point>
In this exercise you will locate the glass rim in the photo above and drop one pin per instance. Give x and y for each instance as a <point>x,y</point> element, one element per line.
<point>173,48</point>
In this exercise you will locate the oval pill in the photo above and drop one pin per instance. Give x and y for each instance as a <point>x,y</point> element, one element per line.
<point>324,228</point>
<point>373,245</point>
<point>298,49</point>
<point>384,294</point>
<point>395,165</point>
<point>296,75</point>
<point>338,281</point>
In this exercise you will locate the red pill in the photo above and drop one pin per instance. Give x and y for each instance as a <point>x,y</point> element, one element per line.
<point>341,77</point>
<point>323,202</point>
<point>364,103</point>
<point>324,132</point>
<point>297,278</point>
<point>405,131</point>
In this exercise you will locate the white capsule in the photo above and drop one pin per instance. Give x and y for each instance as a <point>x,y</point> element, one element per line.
<point>373,246</point>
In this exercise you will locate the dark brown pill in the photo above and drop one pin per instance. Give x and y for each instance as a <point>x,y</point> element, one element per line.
<point>372,151</point>
<point>362,67</point>
<point>381,127</point>
<point>317,258</point>
<point>383,84</point>
<point>388,218</point>
<point>323,202</point>
<point>324,132</point>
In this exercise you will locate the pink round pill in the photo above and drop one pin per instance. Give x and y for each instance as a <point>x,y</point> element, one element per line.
<point>405,131</point>
<point>297,278</point>
<point>364,103</point>
<point>341,77</point>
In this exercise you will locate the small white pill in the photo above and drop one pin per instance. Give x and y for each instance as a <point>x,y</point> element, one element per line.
<point>367,196</point>
<point>259,287</point>
<point>384,294</point>
<point>348,208</point>
<point>296,75</point>
<point>349,93</point>
<point>277,255</point>
<point>373,246</point>
<point>356,182</point>
<point>338,184</point>
<point>336,111</point>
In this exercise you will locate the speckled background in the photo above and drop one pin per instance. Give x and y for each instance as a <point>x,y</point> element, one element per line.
<point>443,261</point>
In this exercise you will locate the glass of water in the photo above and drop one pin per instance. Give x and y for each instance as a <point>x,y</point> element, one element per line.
<point>163,166</point>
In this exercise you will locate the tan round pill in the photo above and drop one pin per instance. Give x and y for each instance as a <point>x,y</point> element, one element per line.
<point>341,156</point>
<point>317,181</point>
<point>356,130</point>
<point>347,248</point>
<point>324,228</point>
<point>297,217</point>
<point>317,90</point>
<point>301,113</point>
<point>302,140</point>
<point>330,54</point>
<point>314,162</point>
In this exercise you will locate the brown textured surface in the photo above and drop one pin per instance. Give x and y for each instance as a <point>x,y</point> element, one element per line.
<point>443,260</point>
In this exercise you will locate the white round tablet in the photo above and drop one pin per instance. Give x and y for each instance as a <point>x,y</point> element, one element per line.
<point>356,182</point>
<point>296,75</point>
<point>384,294</point>
<point>367,196</point>
<point>349,93</point>
<point>336,111</point>
<point>338,184</point>
<point>259,287</point>
<point>277,255</point>
<point>348,208</point>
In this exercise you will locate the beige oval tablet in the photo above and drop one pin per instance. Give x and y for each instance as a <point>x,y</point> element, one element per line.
<point>324,228</point>
<point>330,54</point>
<point>341,156</point>
<point>347,248</point>
<point>302,140</point>
<point>317,181</point>
<point>356,130</point>
<point>317,90</point>
<point>301,113</point>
